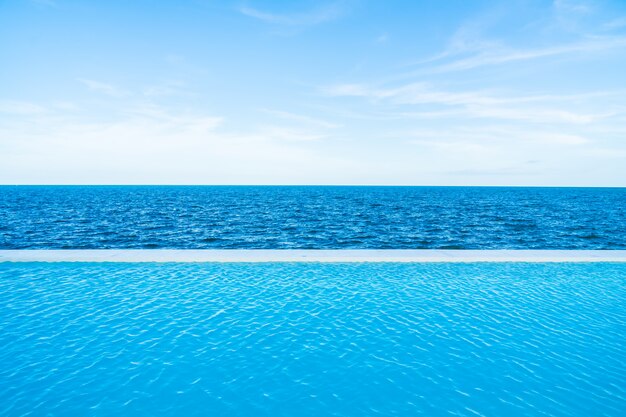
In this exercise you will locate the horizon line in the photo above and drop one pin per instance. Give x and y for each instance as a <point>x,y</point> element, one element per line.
<point>308,185</point>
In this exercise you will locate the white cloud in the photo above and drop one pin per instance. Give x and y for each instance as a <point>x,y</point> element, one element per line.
<point>477,104</point>
<point>104,88</point>
<point>531,156</point>
<point>166,89</point>
<point>178,120</point>
<point>17,107</point>
<point>301,118</point>
<point>289,134</point>
<point>311,17</point>
<point>489,137</point>
<point>152,144</point>
<point>504,55</point>
<point>533,114</point>
<point>470,47</point>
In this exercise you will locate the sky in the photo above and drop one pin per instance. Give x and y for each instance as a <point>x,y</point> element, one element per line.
<point>313,92</point>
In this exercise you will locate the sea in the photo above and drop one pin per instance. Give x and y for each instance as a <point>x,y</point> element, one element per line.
<point>311,217</point>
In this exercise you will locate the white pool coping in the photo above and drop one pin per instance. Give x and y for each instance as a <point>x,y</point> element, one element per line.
<point>356,255</point>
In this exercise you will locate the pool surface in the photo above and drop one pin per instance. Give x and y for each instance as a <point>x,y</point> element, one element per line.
<point>312,339</point>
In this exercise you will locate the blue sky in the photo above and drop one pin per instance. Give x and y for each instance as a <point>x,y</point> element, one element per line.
<point>313,92</point>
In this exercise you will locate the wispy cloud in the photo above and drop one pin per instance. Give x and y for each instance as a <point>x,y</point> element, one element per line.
<point>104,88</point>
<point>306,18</point>
<point>501,55</point>
<point>382,38</point>
<point>20,107</point>
<point>301,118</point>
<point>617,23</point>
<point>477,43</point>
<point>155,144</point>
<point>185,122</point>
<point>573,6</point>
<point>166,89</point>
<point>476,104</point>
<point>289,134</point>
<point>491,137</point>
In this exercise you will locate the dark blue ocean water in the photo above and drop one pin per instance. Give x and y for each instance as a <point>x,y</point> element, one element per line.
<point>350,340</point>
<point>87,217</point>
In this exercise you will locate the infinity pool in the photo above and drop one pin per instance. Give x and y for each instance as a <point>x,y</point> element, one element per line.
<point>298,339</point>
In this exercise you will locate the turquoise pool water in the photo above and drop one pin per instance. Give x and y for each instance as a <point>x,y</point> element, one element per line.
<point>289,339</point>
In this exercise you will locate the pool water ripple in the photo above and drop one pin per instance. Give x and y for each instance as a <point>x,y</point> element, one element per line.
<point>285,339</point>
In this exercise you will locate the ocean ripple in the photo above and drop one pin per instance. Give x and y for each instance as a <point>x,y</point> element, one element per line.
<point>151,217</point>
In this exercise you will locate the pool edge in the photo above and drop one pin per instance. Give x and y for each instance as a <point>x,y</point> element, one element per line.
<point>311,255</point>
